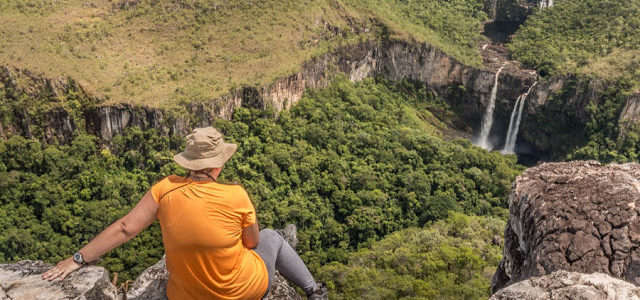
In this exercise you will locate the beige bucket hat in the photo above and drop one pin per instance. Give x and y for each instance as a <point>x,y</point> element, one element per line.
<point>205,149</point>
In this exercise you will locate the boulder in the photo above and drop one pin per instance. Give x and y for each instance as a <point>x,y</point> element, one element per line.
<point>23,281</point>
<point>570,285</point>
<point>152,283</point>
<point>577,216</point>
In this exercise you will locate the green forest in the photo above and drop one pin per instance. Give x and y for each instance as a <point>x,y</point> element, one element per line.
<point>163,53</point>
<point>591,37</point>
<point>390,201</point>
<point>349,165</point>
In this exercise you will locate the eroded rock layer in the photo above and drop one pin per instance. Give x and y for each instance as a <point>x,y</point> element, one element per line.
<point>23,281</point>
<point>576,216</point>
<point>570,285</point>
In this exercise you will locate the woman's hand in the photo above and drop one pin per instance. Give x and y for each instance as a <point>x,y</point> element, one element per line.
<point>62,269</point>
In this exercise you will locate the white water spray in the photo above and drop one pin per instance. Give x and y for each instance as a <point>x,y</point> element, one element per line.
<point>514,122</point>
<point>546,4</point>
<point>487,121</point>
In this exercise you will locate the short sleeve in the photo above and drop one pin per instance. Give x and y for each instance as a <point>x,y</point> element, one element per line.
<point>248,210</point>
<point>158,189</point>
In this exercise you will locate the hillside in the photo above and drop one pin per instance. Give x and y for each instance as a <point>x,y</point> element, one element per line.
<point>595,38</point>
<point>160,53</point>
<point>374,163</point>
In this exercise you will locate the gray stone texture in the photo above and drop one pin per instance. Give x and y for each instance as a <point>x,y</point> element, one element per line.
<point>23,281</point>
<point>578,216</point>
<point>561,285</point>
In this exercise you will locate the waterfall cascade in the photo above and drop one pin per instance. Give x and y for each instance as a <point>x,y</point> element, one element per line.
<point>487,121</point>
<point>514,122</point>
<point>546,4</point>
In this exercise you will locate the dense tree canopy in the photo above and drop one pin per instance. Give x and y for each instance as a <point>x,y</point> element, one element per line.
<point>349,165</point>
<point>453,258</point>
<point>600,38</point>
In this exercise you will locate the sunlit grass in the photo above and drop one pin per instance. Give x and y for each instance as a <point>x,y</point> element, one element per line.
<point>165,52</point>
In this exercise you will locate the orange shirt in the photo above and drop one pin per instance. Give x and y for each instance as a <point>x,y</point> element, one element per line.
<point>202,234</point>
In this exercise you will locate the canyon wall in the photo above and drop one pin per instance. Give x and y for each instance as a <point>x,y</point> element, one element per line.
<point>553,122</point>
<point>394,59</point>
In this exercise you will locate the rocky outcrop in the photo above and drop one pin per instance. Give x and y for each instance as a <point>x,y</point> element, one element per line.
<point>23,281</point>
<point>561,285</point>
<point>578,216</point>
<point>152,283</point>
<point>513,10</point>
<point>630,115</point>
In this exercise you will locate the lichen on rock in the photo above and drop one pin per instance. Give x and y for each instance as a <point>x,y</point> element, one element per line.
<point>578,216</point>
<point>570,285</point>
<point>23,281</point>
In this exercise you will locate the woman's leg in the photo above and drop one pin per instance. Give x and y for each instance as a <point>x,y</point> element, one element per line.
<point>278,255</point>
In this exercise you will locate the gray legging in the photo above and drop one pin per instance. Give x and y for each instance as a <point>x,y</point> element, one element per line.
<point>278,254</point>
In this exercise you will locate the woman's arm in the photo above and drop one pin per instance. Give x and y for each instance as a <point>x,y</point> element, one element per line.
<point>121,231</point>
<point>251,236</point>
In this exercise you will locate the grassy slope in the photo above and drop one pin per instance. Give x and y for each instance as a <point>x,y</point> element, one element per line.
<point>591,37</point>
<point>165,52</point>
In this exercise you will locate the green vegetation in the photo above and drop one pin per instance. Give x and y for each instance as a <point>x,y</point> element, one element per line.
<point>606,140</point>
<point>595,44</point>
<point>164,52</point>
<point>593,37</point>
<point>577,130</point>
<point>349,165</point>
<point>55,199</point>
<point>453,258</point>
<point>452,26</point>
<point>354,162</point>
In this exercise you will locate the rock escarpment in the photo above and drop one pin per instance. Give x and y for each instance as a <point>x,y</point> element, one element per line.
<point>23,281</point>
<point>394,59</point>
<point>570,285</point>
<point>577,216</point>
<point>467,89</point>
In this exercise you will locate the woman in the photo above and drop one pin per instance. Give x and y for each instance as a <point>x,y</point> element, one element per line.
<point>209,230</point>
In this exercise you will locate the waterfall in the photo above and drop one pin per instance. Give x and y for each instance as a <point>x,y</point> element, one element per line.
<point>487,121</point>
<point>546,4</point>
<point>514,122</point>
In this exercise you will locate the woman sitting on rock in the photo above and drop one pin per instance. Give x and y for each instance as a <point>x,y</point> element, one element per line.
<point>209,230</point>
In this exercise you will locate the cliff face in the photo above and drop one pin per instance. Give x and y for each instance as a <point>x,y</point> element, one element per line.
<point>630,115</point>
<point>555,106</point>
<point>577,216</point>
<point>513,10</point>
<point>393,59</point>
<point>558,110</point>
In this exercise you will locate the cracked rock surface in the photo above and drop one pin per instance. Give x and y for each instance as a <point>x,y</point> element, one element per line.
<point>23,281</point>
<point>562,285</point>
<point>577,216</point>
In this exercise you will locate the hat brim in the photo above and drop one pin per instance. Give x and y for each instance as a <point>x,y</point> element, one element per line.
<point>205,163</point>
